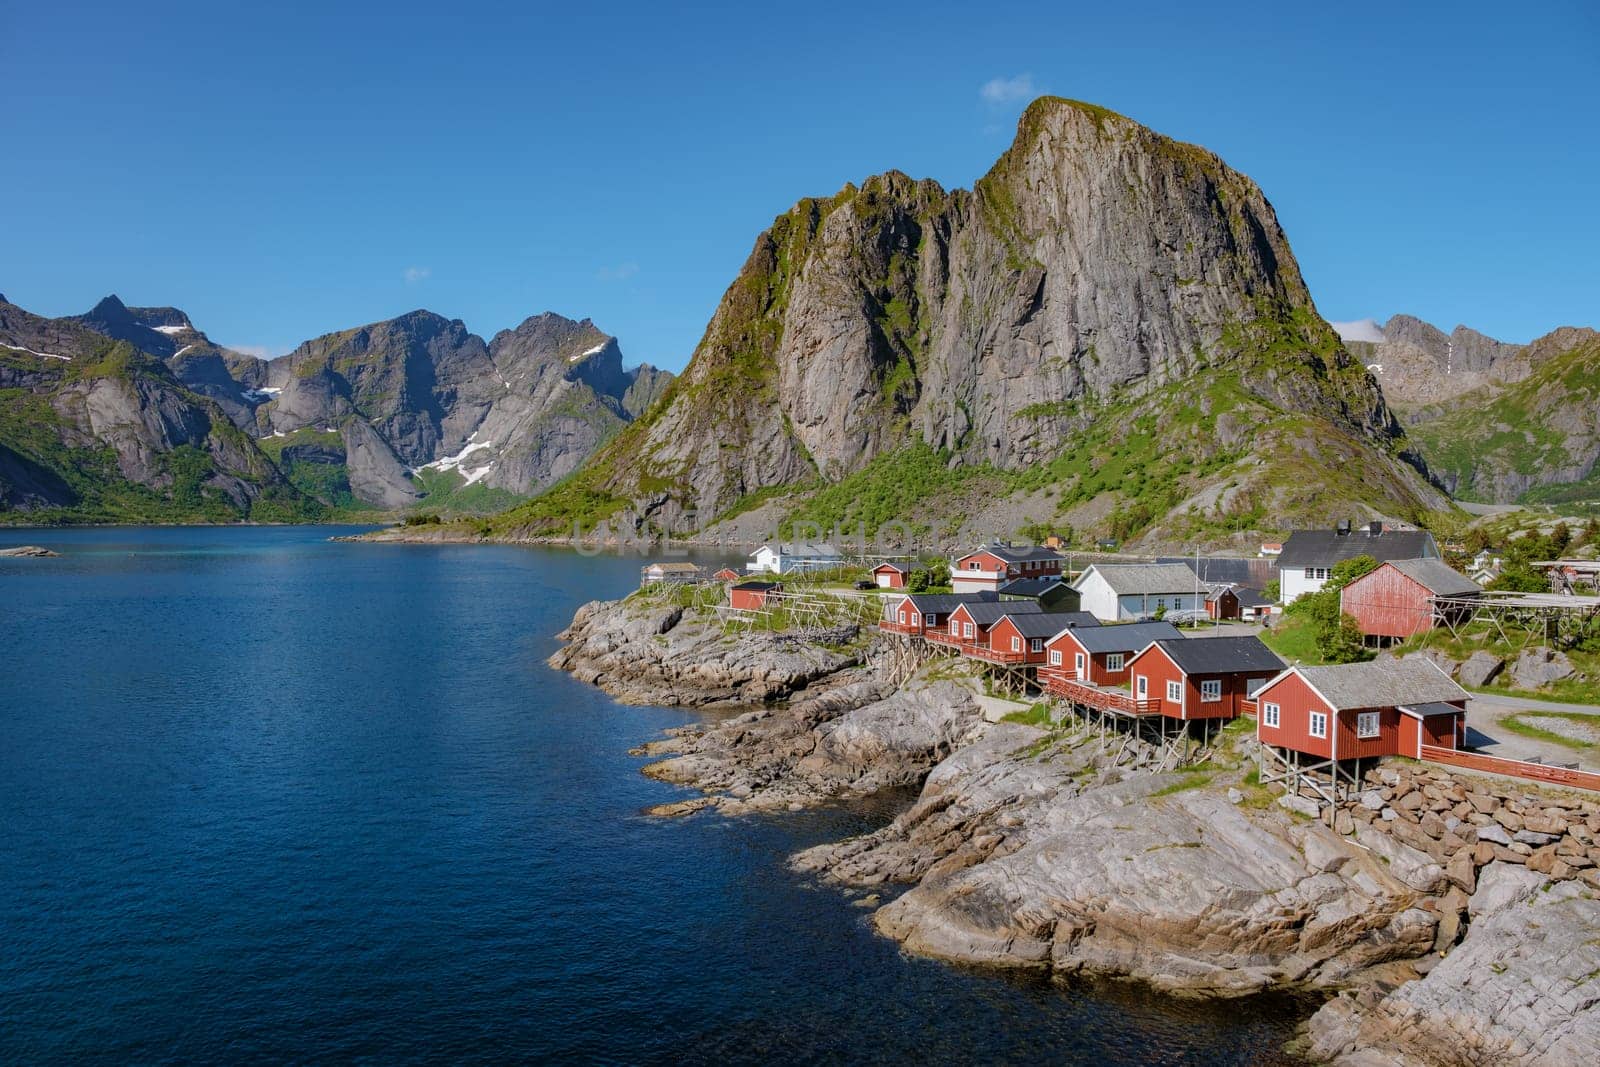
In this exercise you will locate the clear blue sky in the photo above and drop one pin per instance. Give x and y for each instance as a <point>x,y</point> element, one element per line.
<point>280,171</point>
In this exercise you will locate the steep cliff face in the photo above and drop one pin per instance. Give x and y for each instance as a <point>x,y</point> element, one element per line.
<point>1097,266</point>
<point>517,413</point>
<point>1532,435</point>
<point>94,428</point>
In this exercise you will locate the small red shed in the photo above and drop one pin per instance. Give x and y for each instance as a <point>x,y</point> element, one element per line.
<point>1203,677</point>
<point>752,596</point>
<point>1100,655</point>
<point>727,574</point>
<point>1222,602</point>
<point>919,613</point>
<point>890,575</point>
<point>1395,601</point>
<point>1387,707</point>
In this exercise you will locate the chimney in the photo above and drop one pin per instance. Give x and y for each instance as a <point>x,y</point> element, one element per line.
<point>1375,528</point>
<point>1343,528</point>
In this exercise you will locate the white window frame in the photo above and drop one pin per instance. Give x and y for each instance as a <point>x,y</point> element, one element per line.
<point>1141,686</point>
<point>1210,690</point>
<point>914,620</point>
<point>955,628</point>
<point>966,630</point>
<point>1269,714</point>
<point>1175,692</point>
<point>1369,724</point>
<point>1055,657</point>
<point>1016,644</point>
<point>1115,661</point>
<point>1036,644</point>
<point>902,616</point>
<point>1080,663</point>
<point>974,566</point>
<point>1317,725</point>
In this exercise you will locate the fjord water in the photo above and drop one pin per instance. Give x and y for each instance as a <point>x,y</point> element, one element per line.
<point>267,797</point>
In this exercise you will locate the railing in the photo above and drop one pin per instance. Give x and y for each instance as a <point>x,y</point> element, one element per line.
<point>1247,706</point>
<point>990,655</point>
<point>900,628</point>
<point>1536,772</point>
<point>1095,697</point>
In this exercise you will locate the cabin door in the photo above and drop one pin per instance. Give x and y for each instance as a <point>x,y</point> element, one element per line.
<point>1141,686</point>
<point>1083,667</point>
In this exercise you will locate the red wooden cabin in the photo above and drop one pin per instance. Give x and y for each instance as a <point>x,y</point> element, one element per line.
<point>1362,710</point>
<point>969,624</point>
<point>919,613</point>
<point>1023,637</point>
<point>1100,654</point>
<point>1395,601</point>
<point>1203,678</point>
<point>727,574</point>
<point>1222,602</point>
<point>752,596</point>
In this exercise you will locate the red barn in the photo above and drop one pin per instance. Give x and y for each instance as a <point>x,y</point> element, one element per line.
<point>1203,677</point>
<point>752,596</point>
<point>1362,710</point>
<point>1222,602</point>
<point>919,613</point>
<point>1023,637</point>
<point>1100,654</point>
<point>991,566</point>
<point>890,575</point>
<point>1394,601</point>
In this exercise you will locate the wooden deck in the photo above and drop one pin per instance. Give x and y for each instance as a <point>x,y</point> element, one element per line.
<point>1115,701</point>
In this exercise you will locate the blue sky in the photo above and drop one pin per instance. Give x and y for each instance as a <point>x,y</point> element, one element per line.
<point>283,170</point>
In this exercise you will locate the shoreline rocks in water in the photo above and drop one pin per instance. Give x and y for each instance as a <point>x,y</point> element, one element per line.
<point>1047,847</point>
<point>30,551</point>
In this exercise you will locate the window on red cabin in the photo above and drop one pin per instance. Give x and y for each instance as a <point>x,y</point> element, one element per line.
<point>1037,645</point>
<point>1269,715</point>
<point>1055,657</point>
<point>1114,661</point>
<point>1319,724</point>
<point>1367,724</point>
<point>1211,690</point>
<point>1016,644</point>
<point>1175,692</point>
<point>968,628</point>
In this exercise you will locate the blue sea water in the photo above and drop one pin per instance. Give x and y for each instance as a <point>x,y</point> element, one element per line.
<point>267,798</point>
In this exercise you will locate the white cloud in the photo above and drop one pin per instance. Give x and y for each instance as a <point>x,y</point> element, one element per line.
<point>414,275</point>
<point>621,272</point>
<point>997,91</point>
<point>1359,330</point>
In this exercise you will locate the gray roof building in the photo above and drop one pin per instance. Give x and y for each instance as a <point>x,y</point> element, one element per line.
<point>1382,683</point>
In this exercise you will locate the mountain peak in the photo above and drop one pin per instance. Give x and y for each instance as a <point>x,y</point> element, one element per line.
<point>111,309</point>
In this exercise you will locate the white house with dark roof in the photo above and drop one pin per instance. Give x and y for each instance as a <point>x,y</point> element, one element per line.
<point>1120,592</point>
<point>1309,556</point>
<point>988,567</point>
<point>783,557</point>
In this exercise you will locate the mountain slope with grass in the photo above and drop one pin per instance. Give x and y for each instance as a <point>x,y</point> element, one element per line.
<point>1108,331</point>
<point>411,413</point>
<point>1532,440</point>
<point>94,429</point>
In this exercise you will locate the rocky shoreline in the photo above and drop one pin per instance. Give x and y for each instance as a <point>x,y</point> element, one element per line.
<point>1044,846</point>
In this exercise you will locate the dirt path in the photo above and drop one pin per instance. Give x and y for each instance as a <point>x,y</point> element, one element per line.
<point>1485,713</point>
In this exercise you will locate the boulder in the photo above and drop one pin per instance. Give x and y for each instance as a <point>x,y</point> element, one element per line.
<point>1480,668</point>
<point>1538,667</point>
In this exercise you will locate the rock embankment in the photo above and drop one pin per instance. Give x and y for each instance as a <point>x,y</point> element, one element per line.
<point>645,651</point>
<point>27,550</point>
<point>1436,903</point>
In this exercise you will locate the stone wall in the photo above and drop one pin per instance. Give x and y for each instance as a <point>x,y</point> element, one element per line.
<point>1450,825</point>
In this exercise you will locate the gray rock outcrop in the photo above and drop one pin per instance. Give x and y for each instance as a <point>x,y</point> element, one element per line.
<point>1522,988</point>
<point>1481,668</point>
<point>1537,667</point>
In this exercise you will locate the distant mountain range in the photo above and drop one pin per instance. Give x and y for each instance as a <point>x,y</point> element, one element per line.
<point>131,413</point>
<point>1495,421</point>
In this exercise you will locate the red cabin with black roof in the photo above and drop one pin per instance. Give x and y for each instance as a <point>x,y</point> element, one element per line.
<point>1202,677</point>
<point>1100,655</point>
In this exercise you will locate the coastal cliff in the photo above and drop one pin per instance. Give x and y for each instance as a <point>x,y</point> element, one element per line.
<point>1034,844</point>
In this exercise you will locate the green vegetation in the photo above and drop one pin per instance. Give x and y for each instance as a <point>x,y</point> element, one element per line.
<point>1036,715</point>
<point>1518,724</point>
<point>1506,430</point>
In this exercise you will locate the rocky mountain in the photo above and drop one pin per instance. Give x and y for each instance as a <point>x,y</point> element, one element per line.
<point>94,428</point>
<point>1109,330</point>
<point>389,415</point>
<point>1529,433</point>
<point>1417,364</point>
